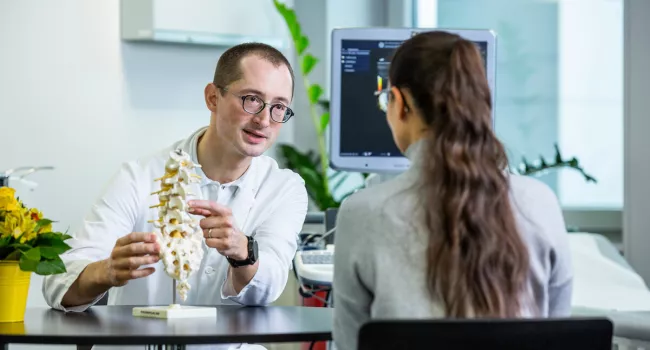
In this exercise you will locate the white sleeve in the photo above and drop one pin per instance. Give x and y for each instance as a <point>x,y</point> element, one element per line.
<point>111,217</point>
<point>277,244</point>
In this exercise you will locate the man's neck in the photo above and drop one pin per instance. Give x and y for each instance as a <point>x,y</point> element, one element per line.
<point>217,163</point>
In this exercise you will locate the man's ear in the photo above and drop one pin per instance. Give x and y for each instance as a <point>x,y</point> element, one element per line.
<point>211,97</point>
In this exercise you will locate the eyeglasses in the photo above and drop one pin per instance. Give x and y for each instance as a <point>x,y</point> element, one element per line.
<point>382,99</point>
<point>253,104</point>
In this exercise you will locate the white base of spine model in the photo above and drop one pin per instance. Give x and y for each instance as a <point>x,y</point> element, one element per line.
<point>179,235</point>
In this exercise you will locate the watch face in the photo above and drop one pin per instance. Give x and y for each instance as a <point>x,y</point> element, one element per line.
<point>254,255</point>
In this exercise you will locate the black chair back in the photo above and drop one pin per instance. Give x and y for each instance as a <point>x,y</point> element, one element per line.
<point>521,334</point>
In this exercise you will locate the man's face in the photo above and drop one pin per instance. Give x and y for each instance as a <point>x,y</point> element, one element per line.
<point>252,134</point>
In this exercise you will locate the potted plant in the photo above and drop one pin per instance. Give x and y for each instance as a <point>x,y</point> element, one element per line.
<point>27,244</point>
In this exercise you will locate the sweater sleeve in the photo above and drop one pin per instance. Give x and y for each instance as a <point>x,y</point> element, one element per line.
<point>352,297</point>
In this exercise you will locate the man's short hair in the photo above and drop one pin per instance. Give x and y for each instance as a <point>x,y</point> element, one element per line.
<point>229,65</point>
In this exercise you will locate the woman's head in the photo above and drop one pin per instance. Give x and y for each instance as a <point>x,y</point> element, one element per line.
<point>477,261</point>
<point>432,76</point>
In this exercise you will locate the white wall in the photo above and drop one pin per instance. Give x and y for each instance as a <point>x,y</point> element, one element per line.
<point>73,96</point>
<point>590,110</point>
<point>636,221</point>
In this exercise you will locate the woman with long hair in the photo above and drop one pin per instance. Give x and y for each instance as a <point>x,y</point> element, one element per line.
<point>456,235</point>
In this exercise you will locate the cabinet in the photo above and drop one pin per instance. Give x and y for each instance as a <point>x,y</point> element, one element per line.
<point>203,22</point>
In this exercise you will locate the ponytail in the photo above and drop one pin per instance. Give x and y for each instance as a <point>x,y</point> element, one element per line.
<point>477,261</point>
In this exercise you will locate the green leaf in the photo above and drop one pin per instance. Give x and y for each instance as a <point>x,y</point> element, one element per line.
<point>50,252</point>
<point>13,256</point>
<point>314,184</point>
<point>307,64</point>
<point>340,182</point>
<point>314,93</point>
<point>26,264</point>
<point>336,175</point>
<point>57,246</point>
<point>324,121</point>
<point>296,159</point>
<point>55,236</point>
<point>5,241</point>
<point>33,254</point>
<point>348,195</point>
<point>290,19</point>
<point>324,104</point>
<point>50,267</point>
<point>20,247</point>
<point>42,222</point>
<point>301,44</point>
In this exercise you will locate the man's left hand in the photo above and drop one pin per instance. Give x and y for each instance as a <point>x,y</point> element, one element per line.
<point>219,229</point>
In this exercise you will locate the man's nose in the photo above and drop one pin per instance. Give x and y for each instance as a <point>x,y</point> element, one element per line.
<point>263,118</point>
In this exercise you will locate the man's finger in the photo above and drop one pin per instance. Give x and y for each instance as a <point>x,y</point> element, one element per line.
<point>134,262</point>
<point>221,245</point>
<point>220,233</point>
<point>135,237</point>
<point>135,249</point>
<point>125,275</point>
<point>216,222</point>
<point>212,207</point>
<point>199,211</point>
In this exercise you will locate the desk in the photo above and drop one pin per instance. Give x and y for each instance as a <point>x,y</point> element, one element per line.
<point>114,325</point>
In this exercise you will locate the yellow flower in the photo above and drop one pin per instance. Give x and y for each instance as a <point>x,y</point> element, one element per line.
<point>8,201</point>
<point>12,225</point>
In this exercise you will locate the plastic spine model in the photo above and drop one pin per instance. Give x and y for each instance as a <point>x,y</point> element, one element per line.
<point>179,235</point>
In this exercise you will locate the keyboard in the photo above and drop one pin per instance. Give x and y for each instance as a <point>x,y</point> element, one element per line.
<point>315,266</point>
<point>317,257</point>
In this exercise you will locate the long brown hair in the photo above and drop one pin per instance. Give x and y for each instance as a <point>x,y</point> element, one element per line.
<point>477,261</point>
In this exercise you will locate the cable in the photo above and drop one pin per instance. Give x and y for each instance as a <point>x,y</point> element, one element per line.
<point>312,345</point>
<point>325,235</point>
<point>317,240</point>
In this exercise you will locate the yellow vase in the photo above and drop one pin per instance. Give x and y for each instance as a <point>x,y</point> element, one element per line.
<point>14,287</point>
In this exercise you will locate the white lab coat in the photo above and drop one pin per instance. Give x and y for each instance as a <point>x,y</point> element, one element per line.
<point>268,203</point>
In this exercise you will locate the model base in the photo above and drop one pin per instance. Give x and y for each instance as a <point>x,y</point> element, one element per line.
<point>174,311</point>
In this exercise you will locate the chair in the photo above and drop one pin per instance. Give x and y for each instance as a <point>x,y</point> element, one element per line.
<point>528,334</point>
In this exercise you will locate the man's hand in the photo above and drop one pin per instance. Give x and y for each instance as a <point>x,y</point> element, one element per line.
<point>221,233</point>
<point>131,252</point>
<point>219,229</point>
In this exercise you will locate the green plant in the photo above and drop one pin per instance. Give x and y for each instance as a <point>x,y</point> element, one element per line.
<point>27,237</point>
<point>320,180</point>
<point>542,166</point>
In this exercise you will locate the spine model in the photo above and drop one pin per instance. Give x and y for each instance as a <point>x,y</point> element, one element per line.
<point>179,235</point>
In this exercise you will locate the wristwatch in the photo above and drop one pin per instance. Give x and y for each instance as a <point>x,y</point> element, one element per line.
<point>252,255</point>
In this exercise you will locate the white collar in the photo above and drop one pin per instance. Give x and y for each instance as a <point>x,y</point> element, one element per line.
<point>248,180</point>
<point>247,185</point>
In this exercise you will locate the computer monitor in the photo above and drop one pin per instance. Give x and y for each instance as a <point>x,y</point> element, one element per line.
<point>360,139</point>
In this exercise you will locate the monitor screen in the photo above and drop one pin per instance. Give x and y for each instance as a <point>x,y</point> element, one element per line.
<point>360,136</point>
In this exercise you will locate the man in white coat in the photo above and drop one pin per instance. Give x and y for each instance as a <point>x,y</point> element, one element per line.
<point>251,211</point>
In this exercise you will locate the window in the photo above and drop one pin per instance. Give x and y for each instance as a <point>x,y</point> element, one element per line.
<point>559,80</point>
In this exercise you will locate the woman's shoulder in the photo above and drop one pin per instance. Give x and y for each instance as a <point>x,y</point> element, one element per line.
<point>538,212</point>
<point>532,193</point>
<point>377,196</point>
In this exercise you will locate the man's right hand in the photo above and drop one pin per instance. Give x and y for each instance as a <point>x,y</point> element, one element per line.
<point>129,254</point>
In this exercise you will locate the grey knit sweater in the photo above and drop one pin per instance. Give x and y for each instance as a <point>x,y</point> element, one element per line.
<point>380,254</point>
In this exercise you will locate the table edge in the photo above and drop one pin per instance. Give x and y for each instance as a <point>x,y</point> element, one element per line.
<point>162,340</point>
